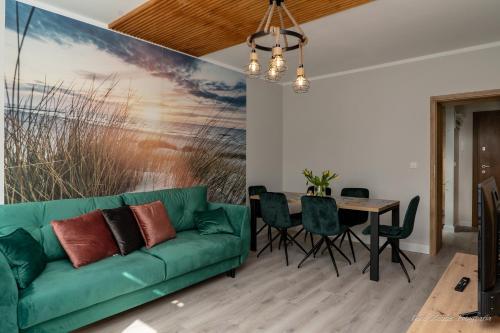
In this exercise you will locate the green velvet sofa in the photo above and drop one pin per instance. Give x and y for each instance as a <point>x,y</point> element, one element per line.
<point>63,298</point>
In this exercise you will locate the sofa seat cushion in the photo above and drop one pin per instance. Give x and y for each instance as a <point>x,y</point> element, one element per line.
<point>190,251</point>
<point>62,289</point>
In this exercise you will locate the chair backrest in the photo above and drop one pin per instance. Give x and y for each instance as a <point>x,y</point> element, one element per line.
<point>353,217</point>
<point>409,220</point>
<point>319,215</point>
<point>328,190</point>
<point>256,190</point>
<point>274,209</point>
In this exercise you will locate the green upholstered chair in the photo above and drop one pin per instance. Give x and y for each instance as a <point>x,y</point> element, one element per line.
<point>320,217</point>
<point>257,190</point>
<point>395,233</point>
<point>351,218</point>
<point>275,213</point>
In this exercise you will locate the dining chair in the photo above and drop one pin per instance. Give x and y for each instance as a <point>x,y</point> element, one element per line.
<point>351,218</point>
<point>320,217</point>
<point>275,213</point>
<point>395,233</point>
<point>257,190</point>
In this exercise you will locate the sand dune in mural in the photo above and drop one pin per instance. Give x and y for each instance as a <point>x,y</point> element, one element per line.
<point>78,128</point>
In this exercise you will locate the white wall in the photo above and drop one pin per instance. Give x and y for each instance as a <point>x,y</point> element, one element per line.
<point>449,168</point>
<point>369,125</point>
<point>264,134</point>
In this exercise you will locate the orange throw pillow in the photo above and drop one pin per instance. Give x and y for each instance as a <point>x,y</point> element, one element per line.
<point>154,223</point>
<point>86,238</point>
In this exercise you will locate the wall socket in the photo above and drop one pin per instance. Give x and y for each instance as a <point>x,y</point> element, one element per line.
<point>413,165</point>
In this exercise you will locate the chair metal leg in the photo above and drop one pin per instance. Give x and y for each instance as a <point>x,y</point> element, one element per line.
<point>292,241</point>
<point>340,251</point>
<point>318,244</point>
<point>299,232</point>
<point>350,244</point>
<point>361,241</point>
<point>270,236</point>
<point>403,266</point>
<point>267,245</point>
<point>379,252</point>
<point>262,228</point>
<point>327,241</point>
<point>406,257</point>
<point>333,240</point>
<point>342,239</point>
<point>283,237</point>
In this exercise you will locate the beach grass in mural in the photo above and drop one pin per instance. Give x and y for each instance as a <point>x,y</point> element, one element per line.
<point>91,112</point>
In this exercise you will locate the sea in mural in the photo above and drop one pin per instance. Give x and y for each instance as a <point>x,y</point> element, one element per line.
<point>92,112</point>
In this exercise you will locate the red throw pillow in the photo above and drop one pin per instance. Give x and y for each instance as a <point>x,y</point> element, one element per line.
<point>86,238</point>
<point>154,223</point>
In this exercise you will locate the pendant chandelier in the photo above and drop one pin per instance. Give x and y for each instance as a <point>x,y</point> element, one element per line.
<point>283,40</point>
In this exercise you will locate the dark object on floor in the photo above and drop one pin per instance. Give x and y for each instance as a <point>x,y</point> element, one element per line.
<point>462,284</point>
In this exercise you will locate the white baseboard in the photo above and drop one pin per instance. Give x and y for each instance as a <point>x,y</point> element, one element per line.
<point>448,228</point>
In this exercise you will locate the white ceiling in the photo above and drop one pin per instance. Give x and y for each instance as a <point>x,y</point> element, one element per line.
<point>376,33</point>
<point>385,31</point>
<point>100,11</point>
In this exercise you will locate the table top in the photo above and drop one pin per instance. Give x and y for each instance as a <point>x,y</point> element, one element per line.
<point>441,311</point>
<point>361,204</point>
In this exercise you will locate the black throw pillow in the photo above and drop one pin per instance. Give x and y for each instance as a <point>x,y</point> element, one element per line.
<point>124,227</point>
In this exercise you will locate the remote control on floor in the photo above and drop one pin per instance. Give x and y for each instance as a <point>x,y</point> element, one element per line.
<point>462,284</point>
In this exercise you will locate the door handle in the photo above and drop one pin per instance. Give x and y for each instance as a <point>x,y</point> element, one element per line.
<point>484,166</point>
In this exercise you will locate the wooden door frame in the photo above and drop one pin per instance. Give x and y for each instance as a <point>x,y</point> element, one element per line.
<point>436,158</point>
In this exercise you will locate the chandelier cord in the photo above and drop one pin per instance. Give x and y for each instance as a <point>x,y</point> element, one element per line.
<point>271,11</point>
<point>299,29</point>
<point>282,23</point>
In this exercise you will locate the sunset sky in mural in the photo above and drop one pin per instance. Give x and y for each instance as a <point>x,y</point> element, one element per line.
<point>170,92</point>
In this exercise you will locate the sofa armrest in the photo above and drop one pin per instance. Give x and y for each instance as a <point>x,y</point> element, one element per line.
<point>8,298</point>
<point>239,216</point>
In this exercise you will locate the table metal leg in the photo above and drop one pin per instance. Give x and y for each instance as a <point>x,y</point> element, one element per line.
<point>253,224</point>
<point>374,223</point>
<point>395,242</point>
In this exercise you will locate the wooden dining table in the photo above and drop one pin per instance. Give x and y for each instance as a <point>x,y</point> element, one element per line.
<point>375,208</point>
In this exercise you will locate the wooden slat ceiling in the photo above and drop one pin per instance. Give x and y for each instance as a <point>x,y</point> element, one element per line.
<point>199,27</point>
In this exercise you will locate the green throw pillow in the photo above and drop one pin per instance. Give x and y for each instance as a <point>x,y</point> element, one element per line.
<point>24,255</point>
<point>213,222</point>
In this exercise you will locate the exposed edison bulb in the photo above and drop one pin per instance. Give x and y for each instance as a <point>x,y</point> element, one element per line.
<point>278,60</point>
<point>273,74</point>
<point>253,67</point>
<point>301,83</point>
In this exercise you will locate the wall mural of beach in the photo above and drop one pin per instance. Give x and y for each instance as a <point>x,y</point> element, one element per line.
<point>91,112</point>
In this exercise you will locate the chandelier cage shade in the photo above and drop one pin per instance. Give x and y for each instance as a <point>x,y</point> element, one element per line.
<point>284,40</point>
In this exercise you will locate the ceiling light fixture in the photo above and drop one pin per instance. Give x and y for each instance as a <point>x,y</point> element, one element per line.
<point>280,36</point>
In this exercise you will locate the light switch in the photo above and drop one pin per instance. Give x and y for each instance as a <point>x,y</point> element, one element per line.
<point>413,165</point>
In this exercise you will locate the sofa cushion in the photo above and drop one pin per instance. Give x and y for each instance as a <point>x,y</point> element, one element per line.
<point>213,221</point>
<point>85,238</point>
<point>181,203</point>
<point>122,223</point>
<point>154,223</point>
<point>24,255</point>
<point>51,245</point>
<point>62,289</point>
<point>190,251</point>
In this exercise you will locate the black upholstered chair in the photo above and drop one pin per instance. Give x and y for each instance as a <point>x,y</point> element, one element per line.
<point>320,217</point>
<point>275,213</point>
<point>395,233</point>
<point>351,218</point>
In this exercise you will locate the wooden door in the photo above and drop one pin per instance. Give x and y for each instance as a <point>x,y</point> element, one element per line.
<point>486,152</point>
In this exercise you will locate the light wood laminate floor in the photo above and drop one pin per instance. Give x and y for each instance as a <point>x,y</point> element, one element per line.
<point>267,296</point>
